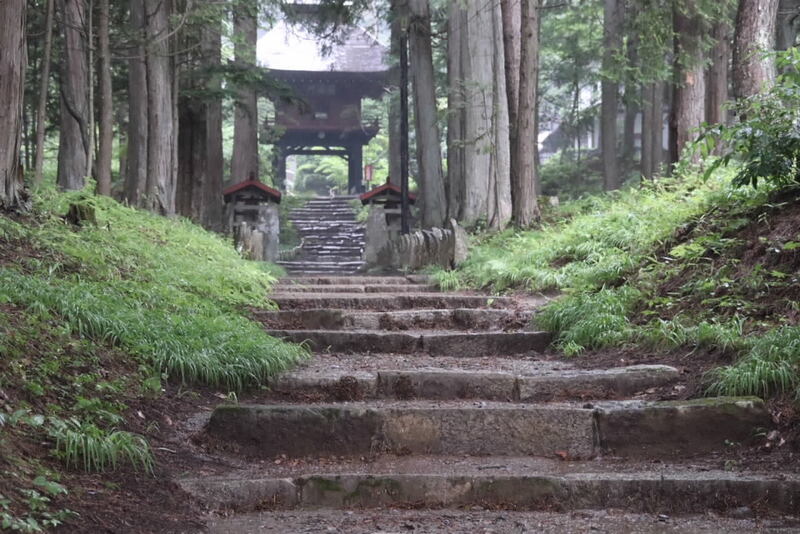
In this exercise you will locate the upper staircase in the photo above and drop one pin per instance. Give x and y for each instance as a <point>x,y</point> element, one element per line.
<point>333,240</point>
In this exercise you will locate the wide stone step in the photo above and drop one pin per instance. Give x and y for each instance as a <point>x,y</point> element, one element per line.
<point>311,258</point>
<point>493,520</point>
<point>319,264</point>
<point>502,483</point>
<point>464,344</point>
<point>385,302</point>
<point>620,428</point>
<point>341,378</point>
<point>355,280</point>
<point>380,288</point>
<point>457,319</point>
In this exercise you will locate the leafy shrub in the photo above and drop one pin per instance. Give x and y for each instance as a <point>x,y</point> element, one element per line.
<point>766,141</point>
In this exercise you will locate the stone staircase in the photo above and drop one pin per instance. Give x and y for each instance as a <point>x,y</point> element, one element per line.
<point>437,412</point>
<point>333,241</point>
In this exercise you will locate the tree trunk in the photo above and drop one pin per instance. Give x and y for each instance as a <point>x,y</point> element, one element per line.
<point>630,98</point>
<point>688,104</point>
<point>456,41</point>
<point>210,195</point>
<point>717,74</point>
<point>106,104</point>
<point>200,160</point>
<point>244,162</point>
<point>612,43</point>
<point>394,105</point>
<point>787,24</point>
<point>429,157</point>
<point>478,79</point>
<point>136,171</point>
<point>73,145</point>
<point>499,207</point>
<point>526,207</point>
<point>753,71</point>
<point>512,12</point>
<point>12,89</point>
<point>44,85</point>
<point>657,157</point>
<point>647,131</point>
<point>160,190</point>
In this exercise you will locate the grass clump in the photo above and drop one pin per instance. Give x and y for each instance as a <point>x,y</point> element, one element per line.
<point>769,366</point>
<point>88,447</point>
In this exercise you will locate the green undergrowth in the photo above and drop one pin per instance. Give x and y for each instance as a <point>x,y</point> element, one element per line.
<point>165,290</point>
<point>95,319</point>
<point>677,264</point>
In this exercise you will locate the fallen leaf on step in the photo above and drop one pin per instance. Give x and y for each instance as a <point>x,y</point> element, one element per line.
<point>562,455</point>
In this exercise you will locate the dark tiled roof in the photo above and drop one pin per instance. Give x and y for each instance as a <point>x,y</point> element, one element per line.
<point>385,189</point>
<point>270,192</point>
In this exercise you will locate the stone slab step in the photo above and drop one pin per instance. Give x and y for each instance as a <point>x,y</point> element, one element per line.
<point>504,483</point>
<point>480,520</point>
<point>311,258</point>
<point>351,288</point>
<point>463,344</point>
<point>385,301</point>
<point>621,428</point>
<point>354,280</point>
<point>355,264</point>
<point>456,319</point>
<point>332,379</point>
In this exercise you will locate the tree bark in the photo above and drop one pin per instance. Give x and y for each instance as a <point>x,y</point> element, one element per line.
<point>456,41</point>
<point>526,206</point>
<point>244,162</point>
<point>717,74</point>
<point>106,104</point>
<point>12,89</point>
<point>646,165</point>
<point>688,104</point>
<point>394,105</point>
<point>73,145</point>
<point>200,160</point>
<point>429,157</point>
<point>44,85</point>
<point>500,207</point>
<point>136,170</point>
<point>787,24</point>
<point>512,13</point>
<point>160,190</point>
<point>612,43</point>
<point>755,35</point>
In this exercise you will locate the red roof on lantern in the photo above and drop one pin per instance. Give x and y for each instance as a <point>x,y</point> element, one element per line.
<point>385,189</point>
<point>269,191</point>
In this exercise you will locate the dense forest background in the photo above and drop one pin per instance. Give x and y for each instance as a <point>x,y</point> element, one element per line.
<point>161,103</point>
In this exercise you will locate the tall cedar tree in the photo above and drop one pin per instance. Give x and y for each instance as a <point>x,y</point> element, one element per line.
<point>12,87</point>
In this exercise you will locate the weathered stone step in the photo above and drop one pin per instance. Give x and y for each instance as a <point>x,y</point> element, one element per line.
<point>516,483</point>
<point>386,302</point>
<point>323,247</point>
<point>500,521</point>
<point>312,258</point>
<point>457,319</point>
<point>359,377</point>
<point>464,344</point>
<point>621,428</point>
<point>355,280</point>
<point>334,265</point>
<point>379,288</point>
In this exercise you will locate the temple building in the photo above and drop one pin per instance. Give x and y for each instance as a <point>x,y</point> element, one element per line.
<point>323,116</point>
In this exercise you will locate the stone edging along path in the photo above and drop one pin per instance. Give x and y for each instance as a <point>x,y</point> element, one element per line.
<point>427,400</point>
